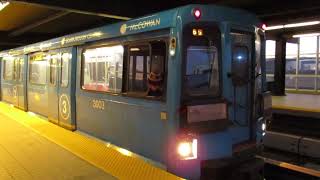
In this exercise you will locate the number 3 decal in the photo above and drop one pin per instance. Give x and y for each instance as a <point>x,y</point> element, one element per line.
<point>64,107</point>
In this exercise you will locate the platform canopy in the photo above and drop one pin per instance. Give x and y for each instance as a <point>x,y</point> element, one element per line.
<point>28,21</point>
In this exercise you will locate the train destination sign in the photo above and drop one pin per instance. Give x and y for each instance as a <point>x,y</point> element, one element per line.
<point>83,37</point>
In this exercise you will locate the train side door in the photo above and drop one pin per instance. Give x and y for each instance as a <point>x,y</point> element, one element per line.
<point>18,86</point>
<point>15,82</point>
<point>67,89</point>
<point>242,68</point>
<point>54,59</point>
<point>60,91</point>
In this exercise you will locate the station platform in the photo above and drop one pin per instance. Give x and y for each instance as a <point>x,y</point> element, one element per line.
<point>33,148</point>
<point>297,104</point>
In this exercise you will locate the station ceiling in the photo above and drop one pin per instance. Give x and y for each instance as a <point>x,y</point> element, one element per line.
<point>27,21</point>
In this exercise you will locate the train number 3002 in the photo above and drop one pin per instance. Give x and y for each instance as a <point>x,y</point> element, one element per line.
<point>97,104</point>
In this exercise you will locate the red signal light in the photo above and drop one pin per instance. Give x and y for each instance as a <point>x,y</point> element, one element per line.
<point>264,26</point>
<point>197,13</point>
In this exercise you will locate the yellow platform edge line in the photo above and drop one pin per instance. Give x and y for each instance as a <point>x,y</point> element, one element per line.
<point>293,108</point>
<point>120,165</point>
<point>293,167</point>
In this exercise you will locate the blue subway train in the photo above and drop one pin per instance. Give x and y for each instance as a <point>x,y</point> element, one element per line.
<point>185,87</point>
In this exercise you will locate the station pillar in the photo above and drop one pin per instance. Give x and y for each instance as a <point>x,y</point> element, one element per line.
<point>280,68</point>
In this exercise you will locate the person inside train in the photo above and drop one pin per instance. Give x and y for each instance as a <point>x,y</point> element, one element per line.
<point>155,81</point>
<point>155,77</point>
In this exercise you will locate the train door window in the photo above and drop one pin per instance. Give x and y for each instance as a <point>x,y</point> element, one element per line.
<point>65,69</point>
<point>102,69</point>
<point>16,69</point>
<point>53,64</point>
<point>38,69</point>
<point>146,70</point>
<point>8,64</point>
<point>240,66</point>
<point>21,67</point>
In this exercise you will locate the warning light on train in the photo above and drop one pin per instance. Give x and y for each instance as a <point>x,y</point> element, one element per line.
<point>197,13</point>
<point>264,26</point>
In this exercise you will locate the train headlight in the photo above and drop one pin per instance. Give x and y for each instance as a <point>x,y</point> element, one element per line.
<point>263,126</point>
<point>188,149</point>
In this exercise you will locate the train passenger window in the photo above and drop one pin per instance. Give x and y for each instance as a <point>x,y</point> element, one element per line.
<point>65,69</point>
<point>146,70</point>
<point>53,64</point>
<point>102,69</point>
<point>8,64</point>
<point>157,69</point>
<point>38,69</point>
<point>139,61</point>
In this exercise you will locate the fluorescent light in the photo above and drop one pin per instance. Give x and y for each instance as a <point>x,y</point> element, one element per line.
<point>3,5</point>
<point>310,23</point>
<point>305,35</point>
<point>274,27</point>
<point>302,24</point>
<point>134,49</point>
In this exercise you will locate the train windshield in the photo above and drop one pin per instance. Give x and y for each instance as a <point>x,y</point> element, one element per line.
<point>202,47</point>
<point>202,72</point>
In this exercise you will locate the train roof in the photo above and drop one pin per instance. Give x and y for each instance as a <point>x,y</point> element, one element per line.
<point>160,20</point>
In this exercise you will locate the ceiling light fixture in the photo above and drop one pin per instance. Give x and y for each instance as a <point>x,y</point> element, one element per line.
<point>301,24</point>
<point>305,35</point>
<point>3,4</point>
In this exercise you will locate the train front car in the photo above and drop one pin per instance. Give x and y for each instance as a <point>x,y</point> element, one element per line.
<point>185,88</point>
<point>221,107</point>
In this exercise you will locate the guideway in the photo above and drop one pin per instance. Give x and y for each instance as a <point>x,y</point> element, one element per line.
<point>32,148</point>
<point>292,137</point>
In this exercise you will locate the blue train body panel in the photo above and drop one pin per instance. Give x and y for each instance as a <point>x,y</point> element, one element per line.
<point>98,81</point>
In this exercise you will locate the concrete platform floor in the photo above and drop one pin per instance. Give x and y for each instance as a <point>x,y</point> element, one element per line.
<point>33,148</point>
<point>26,155</point>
